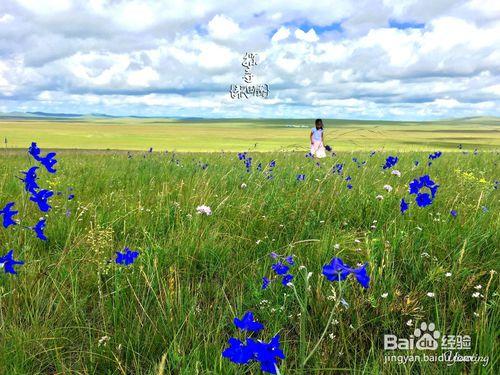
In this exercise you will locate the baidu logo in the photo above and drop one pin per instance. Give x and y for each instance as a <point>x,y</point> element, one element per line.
<point>424,338</point>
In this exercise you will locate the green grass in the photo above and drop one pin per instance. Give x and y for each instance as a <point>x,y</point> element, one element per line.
<point>196,273</point>
<point>241,134</point>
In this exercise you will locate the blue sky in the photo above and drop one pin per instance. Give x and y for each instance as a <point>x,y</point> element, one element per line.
<point>376,59</point>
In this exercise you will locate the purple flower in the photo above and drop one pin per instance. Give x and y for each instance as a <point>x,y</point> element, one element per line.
<point>8,215</point>
<point>289,260</point>
<point>247,323</point>
<point>453,213</point>
<point>301,177</point>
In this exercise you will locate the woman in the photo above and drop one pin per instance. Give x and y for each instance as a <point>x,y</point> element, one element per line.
<point>316,137</point>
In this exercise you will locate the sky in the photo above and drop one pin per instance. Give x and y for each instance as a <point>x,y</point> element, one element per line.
<point>375,59</point>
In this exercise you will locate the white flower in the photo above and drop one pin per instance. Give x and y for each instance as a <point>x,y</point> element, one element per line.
<point>409,323</point>
<point>395,172</point>
<point>357,241</point>
<point>103,341</point>
<point>448,274</point>
<point>430,294</point>
<point>336,246</point>
<point>205,210</point>
<point>388,188</point>
<point>475,313</point>
<point>379,197</point>
<point>476,294</point>
<point>309,275</point>
<point>258,242</point>
<point>331,336</point>
<point>384,295</point>
<point>243,186</point>
<point>477,287</point>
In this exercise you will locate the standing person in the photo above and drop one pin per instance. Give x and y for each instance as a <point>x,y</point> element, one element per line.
<point>316,137</point>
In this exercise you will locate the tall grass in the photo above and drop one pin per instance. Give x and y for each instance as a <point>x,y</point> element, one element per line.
<point>71,309</point>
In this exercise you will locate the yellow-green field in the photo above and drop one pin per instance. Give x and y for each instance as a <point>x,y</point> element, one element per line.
<point>241,134</point>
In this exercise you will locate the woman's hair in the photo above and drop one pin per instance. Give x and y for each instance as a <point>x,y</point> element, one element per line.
<point>318,123</point>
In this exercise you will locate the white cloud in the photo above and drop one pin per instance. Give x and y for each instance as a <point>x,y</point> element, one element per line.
<point>310,36</point>
<point>222,27</point>
<point>282,34</point>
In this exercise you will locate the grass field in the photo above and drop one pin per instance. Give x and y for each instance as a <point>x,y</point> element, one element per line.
<point>237,135</point>
<point>71,309</point>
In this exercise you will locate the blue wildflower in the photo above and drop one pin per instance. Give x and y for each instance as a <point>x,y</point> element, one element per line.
<point>238,352</point>
<point>127,257</point>
<point>8,215</point>
<point>336,270</point>
<point>403,206</point>
<point>30,177</point>
<point>309,155</point>
<point>280,268</point>
<point>39,228</point>
<point>34,151</point>
<point>338,168</point>
<point>484,208</point>
<point>7,262</point>
<point>423,199</point>
<point>273,255</point>
<point>242,155</point>
<point>301,177</point>
<point>435,155</point>
<point>372,153</point>
<point>41,199</point>
<point>272,163</point>
<point>47,161</point>
<point>328,148</point>
<point>267,354</point>
<point>349,186</point>
<point>416,162</point>
<point>265,282</point>
<point>71,197</point>
<point>453,213</point>
<point>289,260</point>
<point>247,323</point>
<point>287,279</point>
<point>348,178</point>
<point>390,162</point>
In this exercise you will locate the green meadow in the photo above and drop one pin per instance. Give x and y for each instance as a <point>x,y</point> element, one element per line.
<point>239,134</point>
<point>72,309</point>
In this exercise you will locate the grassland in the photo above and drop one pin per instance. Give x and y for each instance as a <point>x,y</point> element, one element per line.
<point>71,309</point>
<point>237,135</point>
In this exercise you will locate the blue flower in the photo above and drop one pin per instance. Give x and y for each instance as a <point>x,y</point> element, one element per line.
<point>309,155</point>
<point>267,354</point>
<point>265,282</point>
<point>242,155</point>
<point>71,197</point>
<point>280,268</point>
<point>301,177</point>
<point>47,161</point>
<point>8,215</point>
<point>338,168</point>
<point>372,153</point>
<point>272,163</point>
<point>349,186</point>
<point>286,279</point>
<point>127,257</point>
<point>453,213</point>
<point>403,206</point>
<point>247,323</point>
<point>8,262</point>
<point>416,162</point>
<point>423,199</point>
<point>390,162</point>
<point>348,178</point>
<point>39,228</point>
<point>41,199</point>
<point>238,352</point>
<point>30,177</point>
<point>336,270</point>
<point>328,148</point>
<point>435,155</point>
